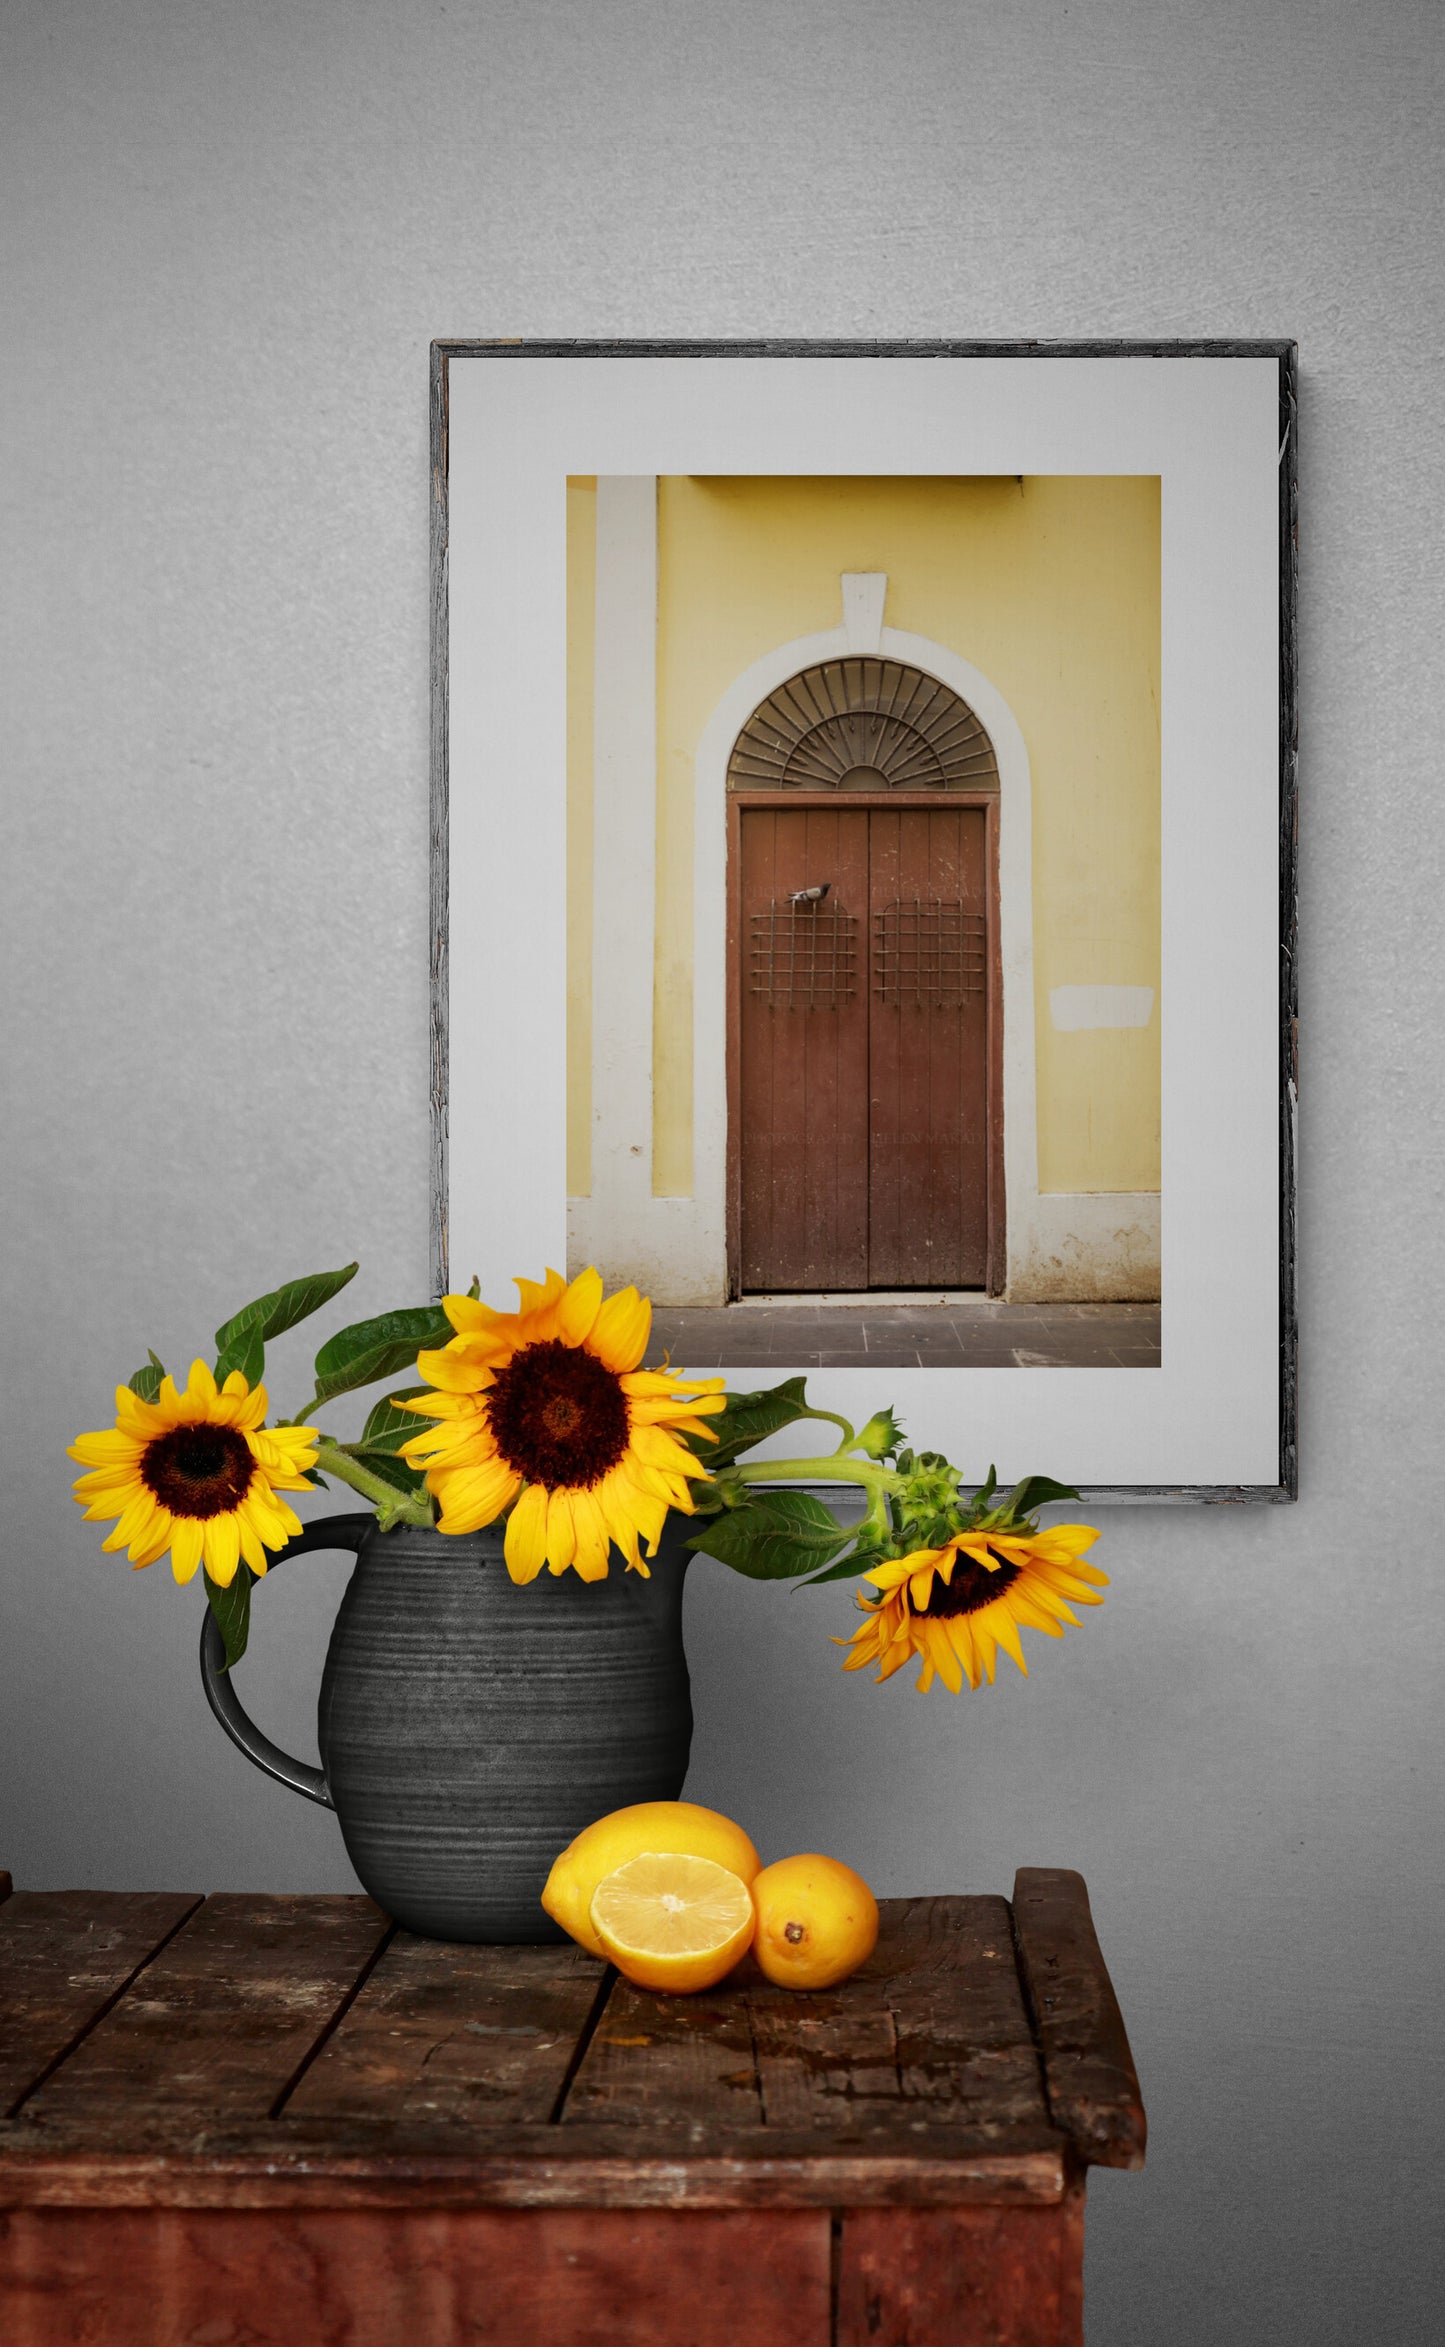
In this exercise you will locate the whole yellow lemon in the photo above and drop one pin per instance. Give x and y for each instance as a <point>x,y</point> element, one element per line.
<point>680,1827</point>
<point>817,1921</point>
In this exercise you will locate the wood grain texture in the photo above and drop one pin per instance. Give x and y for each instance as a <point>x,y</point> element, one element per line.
<point>170,2278</point>
<point>65,1956</point>
<point>803,1062</point>
<point>927,1055</point>
<point>281,2053</point>
<point>681,2060</point>
<point>976,2277</point>
<point>223,2018</point>
<point>932,2031</point>
<point>965,2043</point>
<point>1090,2079</point>
<point>160,2163</point>
<point>478,2035</point>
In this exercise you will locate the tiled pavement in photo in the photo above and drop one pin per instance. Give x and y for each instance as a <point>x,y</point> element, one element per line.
<point>974,1332</point>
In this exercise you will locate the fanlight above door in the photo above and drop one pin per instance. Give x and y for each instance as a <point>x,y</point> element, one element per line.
<point>863,725</point>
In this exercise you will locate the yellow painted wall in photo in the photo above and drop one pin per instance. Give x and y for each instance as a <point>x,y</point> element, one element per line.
<point>1050,587</point>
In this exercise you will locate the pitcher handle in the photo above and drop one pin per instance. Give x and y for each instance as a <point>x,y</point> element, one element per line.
<point>325,1532</point>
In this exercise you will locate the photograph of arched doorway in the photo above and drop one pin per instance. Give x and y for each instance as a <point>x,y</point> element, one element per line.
<point>863,914</point>
<point>864,998</point>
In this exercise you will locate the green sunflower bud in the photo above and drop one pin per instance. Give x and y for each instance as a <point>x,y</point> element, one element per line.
<point>881,1436</point>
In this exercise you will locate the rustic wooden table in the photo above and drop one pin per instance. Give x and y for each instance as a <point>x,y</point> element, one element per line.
<point>235,2121</point>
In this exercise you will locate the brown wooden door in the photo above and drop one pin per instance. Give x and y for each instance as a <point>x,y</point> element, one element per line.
<point>863,1048</point>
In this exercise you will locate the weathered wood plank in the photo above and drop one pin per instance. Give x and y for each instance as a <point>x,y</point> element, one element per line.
<point>1092,2085</point>
<point>168,2278</point>
<point>962,2277</point>
<point>671,2059</point>
<point>277,2164</point>
<point>934,2023</point>
<point>220,2022</point>
<point>966,2047</point>
<point>474,2034</point>
<point>64,1957</point>
<point>935,2020</point>
<point>825,2060</point>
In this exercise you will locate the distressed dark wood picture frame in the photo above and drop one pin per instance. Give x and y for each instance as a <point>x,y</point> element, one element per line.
<point>1283,353</point>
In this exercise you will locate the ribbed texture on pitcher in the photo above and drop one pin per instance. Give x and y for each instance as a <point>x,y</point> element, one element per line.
<point>469,1728</point>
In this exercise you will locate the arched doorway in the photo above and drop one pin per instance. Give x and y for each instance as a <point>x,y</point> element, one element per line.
<point>865,1118</point>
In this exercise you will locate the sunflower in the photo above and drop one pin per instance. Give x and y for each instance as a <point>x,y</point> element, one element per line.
<point>196,1473</point>
<point>546,1411</point>
<point>956,1605</point>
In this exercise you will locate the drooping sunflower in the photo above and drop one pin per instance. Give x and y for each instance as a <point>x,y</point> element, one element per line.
<point>955,1606</point>
<point>545,1410</point>
<point>196,1473</point>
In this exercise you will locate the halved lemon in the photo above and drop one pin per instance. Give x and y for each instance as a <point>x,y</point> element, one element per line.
<point>673,1922</point>
<point>625,1833</point>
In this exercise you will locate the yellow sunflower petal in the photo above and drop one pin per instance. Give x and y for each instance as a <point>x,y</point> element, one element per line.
<point>201,1393</point>
<point>252,1547</point>
<point>620,1330</point>
<point>186,1545</point>
<point>468,1316</point>
<point>222,1548</point>
<point>579,1307</point>
<point>108,1446</point>
<point>456,1373</point>
<point>539,1302</point>
<point>561,1534</point>
<point>525,1546</point>
<point>999,1623</point>
<point>140,1419</point>
<point>920,1587</point>
<point>472,1497</point>
<point>592,1542</point>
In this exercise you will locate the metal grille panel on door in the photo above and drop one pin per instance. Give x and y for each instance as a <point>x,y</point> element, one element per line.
<point>863,1048</point>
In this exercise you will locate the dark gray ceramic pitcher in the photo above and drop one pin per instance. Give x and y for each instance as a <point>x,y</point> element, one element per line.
<point>469,1728</point>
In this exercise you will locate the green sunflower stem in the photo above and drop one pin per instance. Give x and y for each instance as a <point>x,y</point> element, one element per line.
<point>392,1506</point>
<point>877,1481</point>
<point>316,1402</point>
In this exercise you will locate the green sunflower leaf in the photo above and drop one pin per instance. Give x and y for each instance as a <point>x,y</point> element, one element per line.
<point>849,1568</point>
<point>388,1427</point>
<point>232,1609</point>
<point>147,1381</point>
<point>377,1348</point>
<point>246,1351</point>
<point>1036,1491</point>
<point>749,1419</point>
<point>240,1341</point>
<point>776,1536</point>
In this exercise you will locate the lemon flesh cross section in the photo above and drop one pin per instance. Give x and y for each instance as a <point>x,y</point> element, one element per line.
<point>644,1825</point>
<point>673,1922</point>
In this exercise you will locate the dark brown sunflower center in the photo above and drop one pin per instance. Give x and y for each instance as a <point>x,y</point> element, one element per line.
<point>198,1470</point>
<point>971,1587</point>
<point>559,1415</point>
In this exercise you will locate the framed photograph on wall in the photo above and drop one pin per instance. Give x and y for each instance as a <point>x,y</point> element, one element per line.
<point>863,821</point>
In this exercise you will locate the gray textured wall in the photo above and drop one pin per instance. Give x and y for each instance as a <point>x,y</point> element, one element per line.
<point>231,233</point>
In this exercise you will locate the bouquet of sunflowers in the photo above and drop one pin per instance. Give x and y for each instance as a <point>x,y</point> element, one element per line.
<point>546,1417</point>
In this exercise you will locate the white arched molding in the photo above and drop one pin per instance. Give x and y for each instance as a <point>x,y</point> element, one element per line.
<point>1015,880</point>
